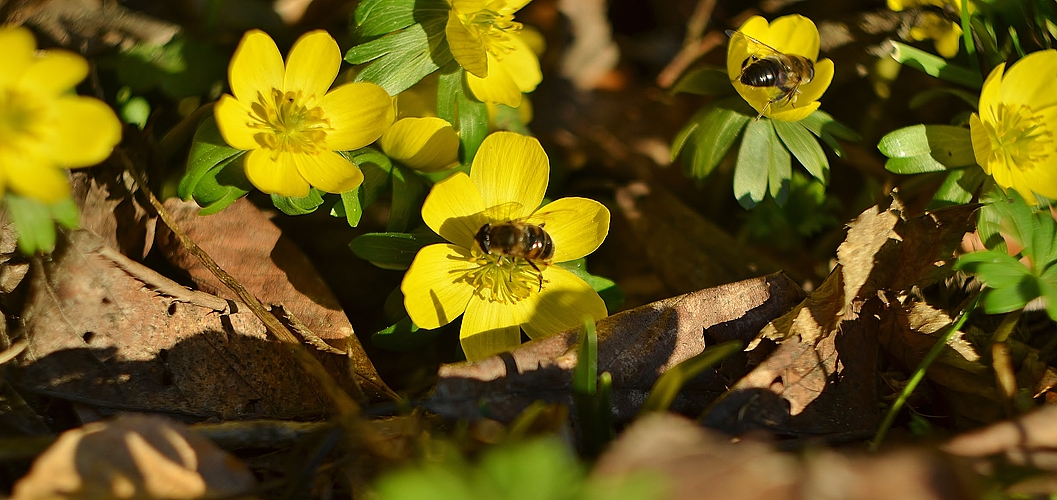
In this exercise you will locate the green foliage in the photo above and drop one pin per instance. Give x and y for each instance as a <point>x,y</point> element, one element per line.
<point>607,289</point>
<point>393,250</point>
<point>664,390</point>
<point>1011,283</point>
<point>184,67</point>
<point>541,469</point>
<point>762,162</point>
<point>935,66</point>
<point>457,104</point>
<point>705,80</point>
<point>807,212</point>
<point>214,177</point>
<point>927,148</point>
<point>709,135</point>
<point>299,206</point>
<point>35,221</point>
<point>377,171</point>
<point>414,44</point>
<point>592,395</point>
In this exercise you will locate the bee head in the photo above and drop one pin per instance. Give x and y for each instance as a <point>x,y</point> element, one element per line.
<point>484,237</point>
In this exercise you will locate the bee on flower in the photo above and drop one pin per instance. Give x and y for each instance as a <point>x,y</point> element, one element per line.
<point>498,283</point>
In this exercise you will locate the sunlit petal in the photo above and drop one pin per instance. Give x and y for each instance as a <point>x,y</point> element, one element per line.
<point>424,144</point>
<point>433,293</point>
<point>794,114</point>
<point>522,65</point>
<point>813,90</point>
<point>991,93</point>
<point>453,209</point>
<point>257,66</point>
<point>469,50</point>
<point>275,173</point>
<point>328,171</point>
<point>497,87</point>
<point>1031,81</point>
<point>33,176</point>
<point>509,168</point>
<point>577,226</point>
<point>562,304</point>
<point>19,47</point>
<point>489,328</point>
<point>54,73</point>
<point>358,113</point>
<point>233,119</point>
<point>73,144</point>
<point>981,142</point>
<point>793,34</point>
<point>312,64</point>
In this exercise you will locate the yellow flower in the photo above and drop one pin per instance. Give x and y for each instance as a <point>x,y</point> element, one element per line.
<point>486,41</point>
<point>426,144</point>
<point>946,34</point>
<point>793,34</point>
<point>1013,135</point>
<point>44,126</point>
<point>499,296</point>
<point>289,122</point>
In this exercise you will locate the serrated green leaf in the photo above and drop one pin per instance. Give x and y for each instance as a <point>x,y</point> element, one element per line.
<point>34,222</point>
<point>668,385</point>
<point>208,154</point>
<point>717,127</point>
<point>958,187</point>
<point>298,206</point>
<point>705,80</point>
<point>934,65</point>
<point>392,250</point>
<point>799,140</point>
<point>927,148</point>
<point>403,58</point>
<point>752,169</point>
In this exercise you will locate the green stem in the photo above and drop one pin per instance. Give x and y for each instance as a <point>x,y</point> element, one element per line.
<point>919,374</point>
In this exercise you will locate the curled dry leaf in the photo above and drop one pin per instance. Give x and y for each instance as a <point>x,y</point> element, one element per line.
<point>635,346</point>
<point>134,457</point>
<point>703,464</point>
<point>100,334</point>
<point>821,377</point>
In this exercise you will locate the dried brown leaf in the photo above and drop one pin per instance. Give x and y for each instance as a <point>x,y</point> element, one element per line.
<point>134,457</point>
<point>635,346</point>
<point>90,26</point>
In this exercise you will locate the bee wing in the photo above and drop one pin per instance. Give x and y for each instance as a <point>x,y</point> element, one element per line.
<point>750,45</point>
<point>504,212</point>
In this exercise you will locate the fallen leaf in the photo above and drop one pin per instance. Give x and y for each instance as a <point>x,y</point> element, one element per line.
<point>134,457</point>
<point>90,26</point>
<point>634,346</point>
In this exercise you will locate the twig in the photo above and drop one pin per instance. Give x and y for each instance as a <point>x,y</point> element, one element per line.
<point>696,42</point>
<point>345,407</point>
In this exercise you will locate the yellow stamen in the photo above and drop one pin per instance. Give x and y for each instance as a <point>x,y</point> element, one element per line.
<point>499,278</point>
<point>19,120</point>
<point>1018,136</point>
<point>492,29</point>
<point>289,122</point>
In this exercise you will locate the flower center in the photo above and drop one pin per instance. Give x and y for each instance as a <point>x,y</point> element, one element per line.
<point>19,119</point>
<point>289,122</point>
<point>1018,137</point>
<point>500,278</point>
<point>492,29</point>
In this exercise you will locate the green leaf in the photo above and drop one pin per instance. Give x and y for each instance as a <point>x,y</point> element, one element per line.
<point>409,190</point>
<point>183,67</point>
<point>378,17</point>
<point>755,157</point>
<point>585,374</point>
<point>805,148</point>
<point>667,387</point>
<point>376,168</point>
<point>707,80</point>
<point>299,206</point>
<point>351,207</point>
<point>1042,245</point>
<point>715,128</point>
<point>923,98</point>
<point>67,213</point>
<point>927,148</point>
<point>829,130</point>
<point>779,170</point>
<point>468,116</point>
<point>958,188</point>
<point>215,177</point>
<point>402,59</point>
<point>404,336</point>
<point>392,250</point>
<point>35,223</point>
<point>1011,298</point>
<point>934,65</point>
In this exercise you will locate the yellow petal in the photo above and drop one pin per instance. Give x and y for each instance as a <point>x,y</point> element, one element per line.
<point>359,113</point>
<point>509,7</point>
<point>947,43</point>
<point>54,73</point>
<point>497,87</point>
<point>233,119</point>
<point>257,66</point>
<point>275,173</point>
<point>739,49</point>
<point>488,328</point>
<point>522,65</point>
<point>562,304</point>
<point>511,167</point>
<point>312,64</point>
<point>1030,81</point>
<point>794,114</point>
<point>18,47</point>
<point>453,209</point>
<point>34,176</point>
<point>469,6</point>
<point>85,131</point>
<point>991,94</point>
<point>577,226</point>
<point>424,144</point>
<point>981,142</point>
<point>793,34</point>
<point>433,293</point>
<point>468,49</point>
<point>813,90</point>
<point>328,171</point>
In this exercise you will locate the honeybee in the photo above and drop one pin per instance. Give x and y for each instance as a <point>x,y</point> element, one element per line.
<point>767,68</point>
<point>518,240</point>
